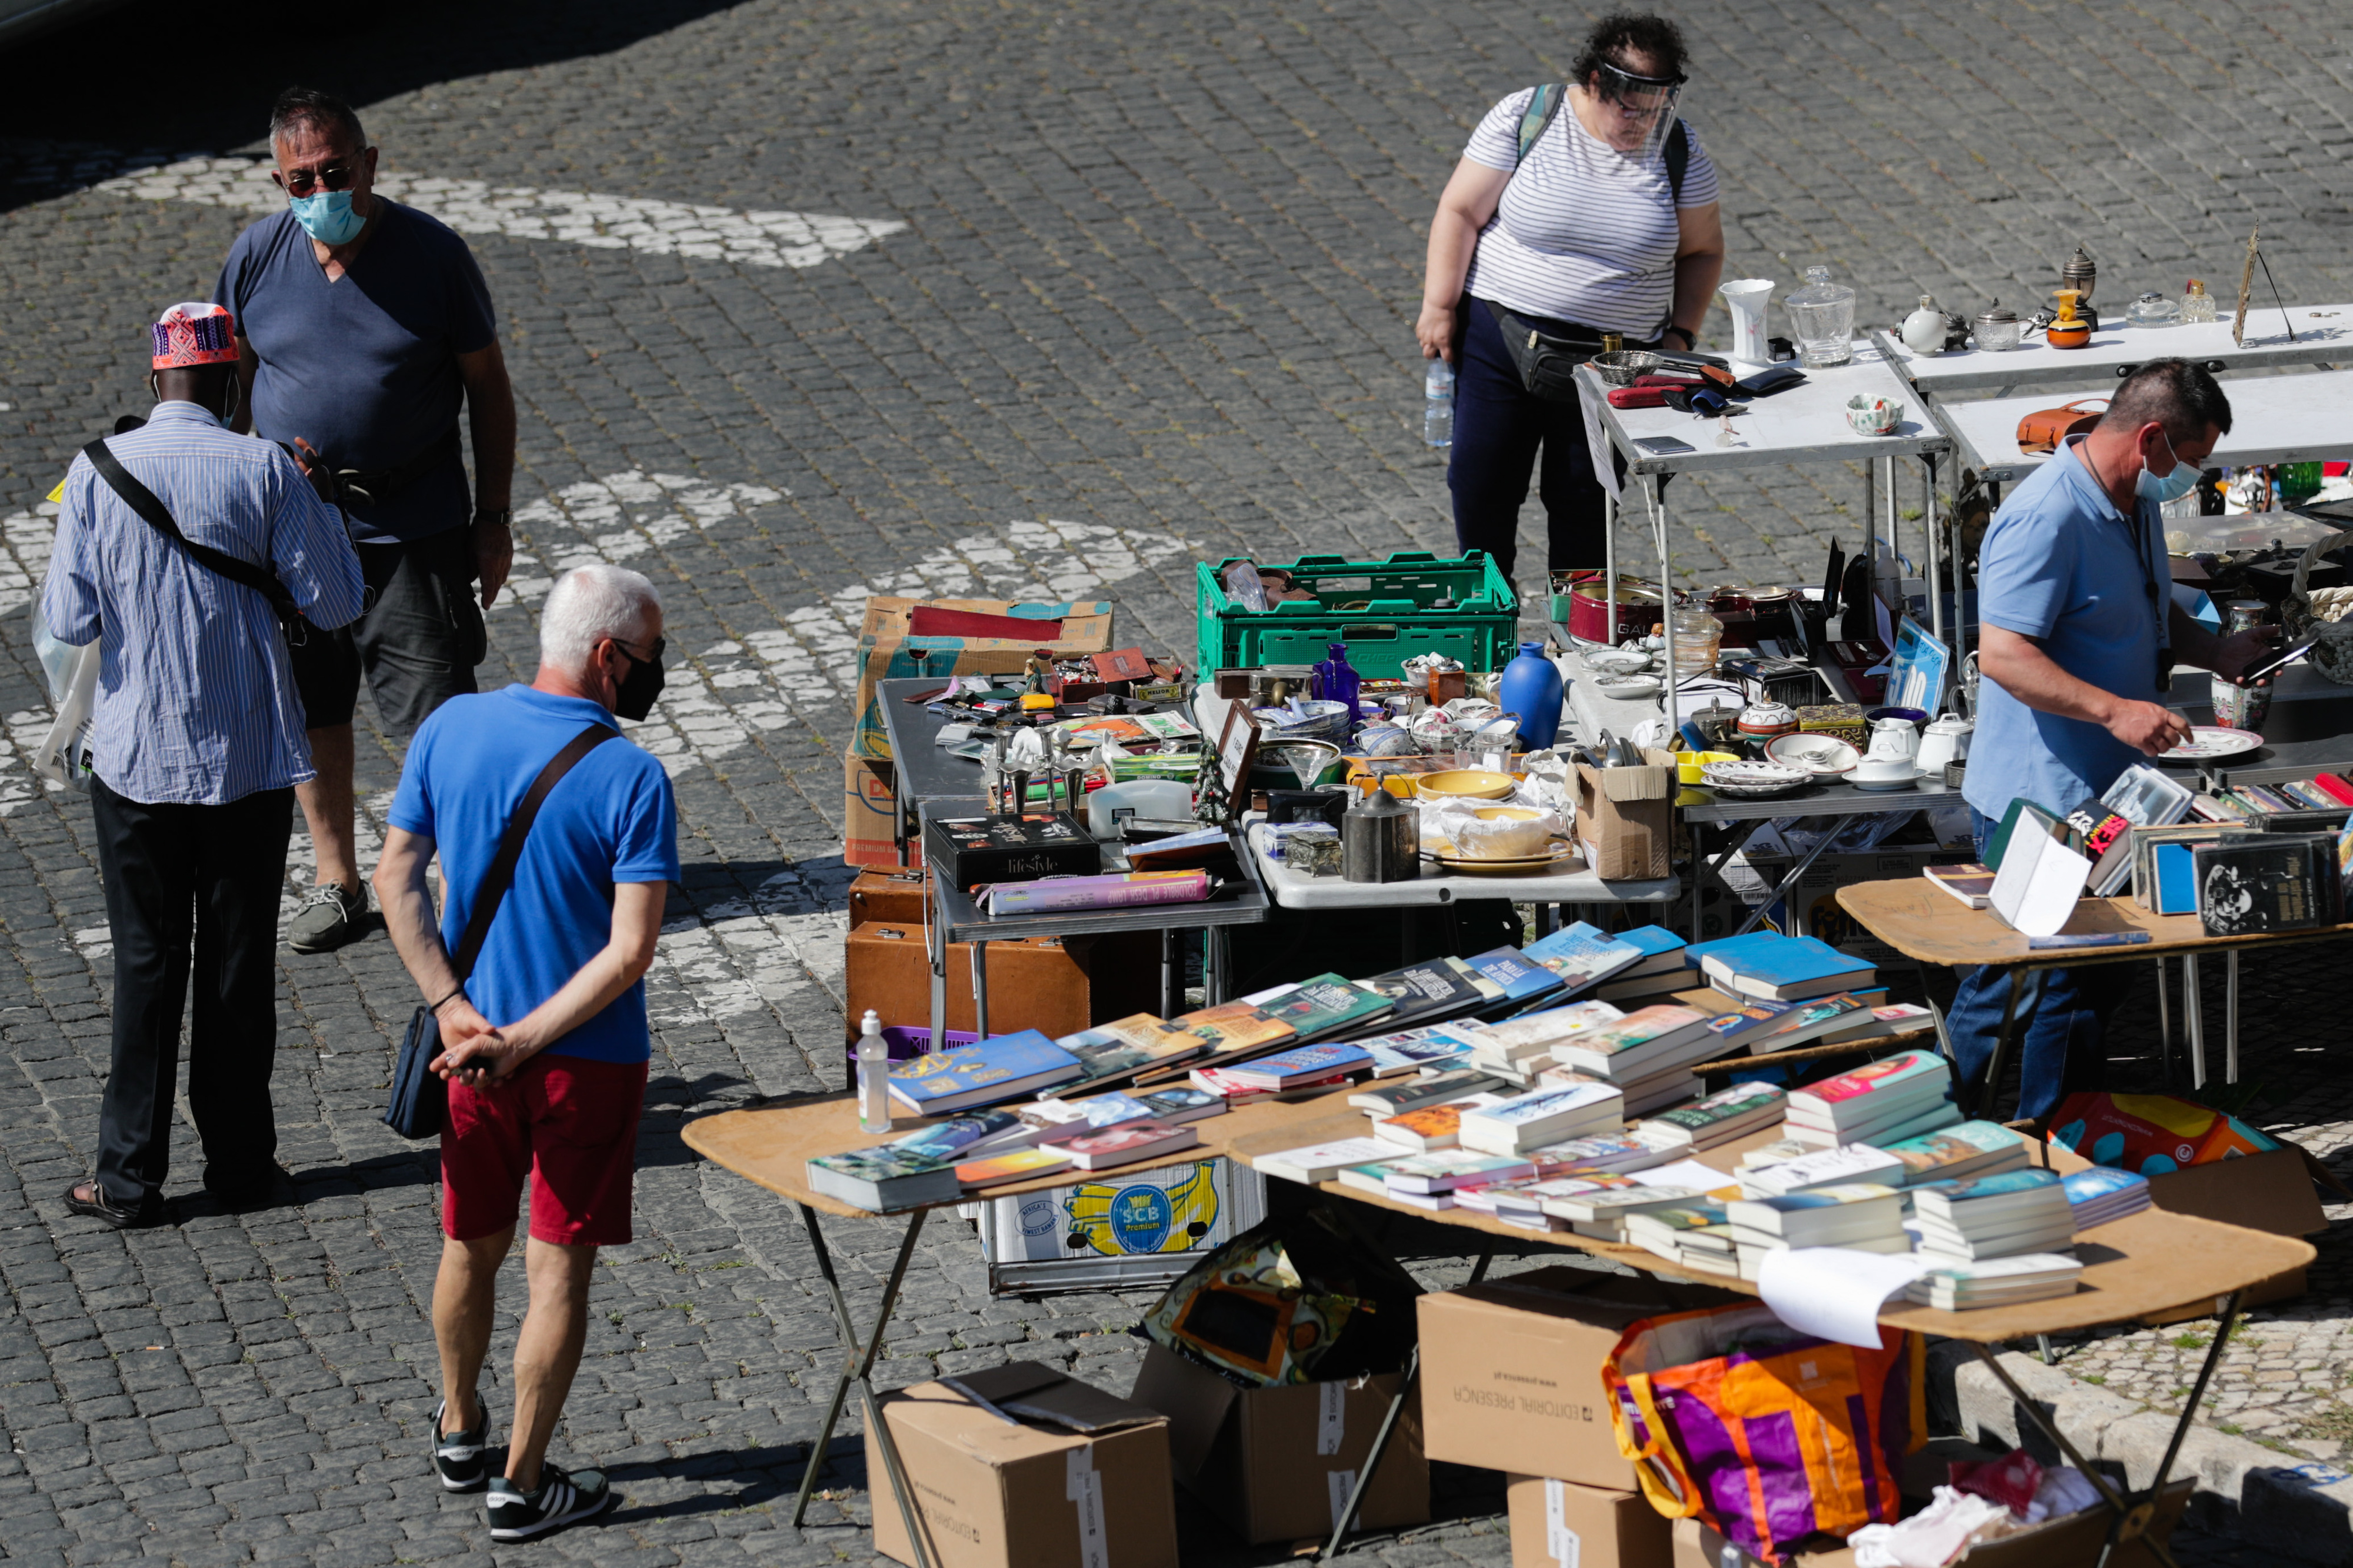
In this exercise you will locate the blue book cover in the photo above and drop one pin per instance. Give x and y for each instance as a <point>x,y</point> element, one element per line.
<point>1728,947</point>
<point>2100,1182</point>
<point>1017,1059</point>
<point>1790,961</point>
<point>1652,941</point>
<point>1306,1061</point>
<point>1581,954</point>
<point>1437,1045</point>
<point>1509,968</point>
<point>1997,1186</point>
<point>2176,882</point>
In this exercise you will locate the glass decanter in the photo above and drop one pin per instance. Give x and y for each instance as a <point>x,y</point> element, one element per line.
<point>1822,314</point>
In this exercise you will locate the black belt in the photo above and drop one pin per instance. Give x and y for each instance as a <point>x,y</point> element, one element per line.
<point>370,486</point>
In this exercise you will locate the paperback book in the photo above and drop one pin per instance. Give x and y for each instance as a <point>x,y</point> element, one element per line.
<point>1006,1067</point>
<point>1951,1154</point>
<point>1431,991</point>
<point>1324,1007</point>
<point>2103,1194</point>
<point>1848,1166</point>
<point>1787,968</point>
<point>1536,1033</point>
<point>1642,1041</point>
<point>1411,1050</point>
<point>1301,1064</point>
<point>906,1173</point>
<point>1314,1163</point>
<point>1721,1117</point>
<point>1126,1044</point>
<point>1449,1169</point>
<point>1517,978</point>
<point>1580,955</point>
<point>1546,1116</point>
<point>1123,1144</point>
<point>1394,1099</point>
<point>1431,1126</point>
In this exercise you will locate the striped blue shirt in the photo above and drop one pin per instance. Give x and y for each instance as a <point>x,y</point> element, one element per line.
<point>196,702</point>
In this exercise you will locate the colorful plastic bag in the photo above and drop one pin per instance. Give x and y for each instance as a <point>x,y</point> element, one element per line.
<point>1765,1435</point>
<point>2151,1134</point>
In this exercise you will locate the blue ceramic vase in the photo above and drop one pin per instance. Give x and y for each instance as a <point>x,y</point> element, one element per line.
<point>1530,689</point>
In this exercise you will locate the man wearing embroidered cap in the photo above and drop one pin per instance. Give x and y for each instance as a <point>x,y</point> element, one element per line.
<point>190,554</point>
<point>365,327</point>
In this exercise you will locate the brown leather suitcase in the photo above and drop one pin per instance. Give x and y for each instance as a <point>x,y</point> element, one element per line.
<point>1058,984</point>
<point>893,894</point>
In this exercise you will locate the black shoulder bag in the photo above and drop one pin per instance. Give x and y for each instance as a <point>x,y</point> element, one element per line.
<point>1547,365</point>
<point>420,1098</point>
<point>143,501</point>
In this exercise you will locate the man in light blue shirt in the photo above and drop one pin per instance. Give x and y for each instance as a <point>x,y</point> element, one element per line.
<point>196,745</point>
<point>2078,635</point>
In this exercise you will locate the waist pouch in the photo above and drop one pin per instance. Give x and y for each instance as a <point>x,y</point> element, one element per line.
<point>1547,365</point>
<point>368,486</point>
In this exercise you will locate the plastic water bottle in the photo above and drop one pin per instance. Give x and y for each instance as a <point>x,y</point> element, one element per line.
<point>1438,404</point>
<point>873,1076</point>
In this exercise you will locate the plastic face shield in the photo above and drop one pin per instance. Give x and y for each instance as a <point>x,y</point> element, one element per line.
<point>1637,111</point>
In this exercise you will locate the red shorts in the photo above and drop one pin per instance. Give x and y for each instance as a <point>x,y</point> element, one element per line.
<point>568,1123</point>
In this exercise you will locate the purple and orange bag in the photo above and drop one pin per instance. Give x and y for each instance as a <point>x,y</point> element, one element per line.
<point>1767,1436</point>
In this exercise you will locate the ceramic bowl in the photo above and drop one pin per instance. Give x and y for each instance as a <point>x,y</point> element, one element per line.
<point>1617,661</point>
<point>1824,756</point>
<point>1905,780</point>
<point>1624,688</point>
<point>1465,784</point>
<point>1506,813</point>
<point>1872,416</point>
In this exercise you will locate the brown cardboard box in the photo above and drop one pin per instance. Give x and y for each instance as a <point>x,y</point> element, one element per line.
<point>1510,1369</point>
<point>1058,984</point>
<point>1276,1463</point>
<point>2267,1191</point>
<point>2075,1542</point>
<point>1080,1479</point>
<point>1625,817</point>
<point>892,895</point>
<point>869,814</point>
<point>1560,1524</point>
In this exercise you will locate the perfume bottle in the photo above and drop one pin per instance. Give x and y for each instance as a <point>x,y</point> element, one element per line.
<point>2197,305</point>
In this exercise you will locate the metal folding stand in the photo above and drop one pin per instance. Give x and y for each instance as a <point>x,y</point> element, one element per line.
<point>1982,1100</point>
<point>2131,1513</point>
<point>1341,1525</point>
<point>856,1369</point>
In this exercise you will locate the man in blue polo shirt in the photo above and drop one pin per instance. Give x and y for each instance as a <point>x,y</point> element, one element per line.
<point>2078,634</point>
<point>545,1044</point>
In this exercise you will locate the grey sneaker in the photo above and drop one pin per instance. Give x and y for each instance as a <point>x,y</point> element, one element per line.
<point>561,1499</point>
<point>458,1456</point>
<point>328,919</point>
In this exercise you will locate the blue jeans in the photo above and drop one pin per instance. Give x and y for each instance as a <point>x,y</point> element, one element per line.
<point>2062,1026</point>
<point>1499,425</point>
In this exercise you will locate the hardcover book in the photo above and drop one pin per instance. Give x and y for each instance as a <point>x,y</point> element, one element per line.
<point>1580,955</point>
<point>1789,969</point>
<point>1433,989</point>
<point>1006,1067</point>
<point>2253,883</point>
<point>1124,1045</point>
<point>1328,1005</point>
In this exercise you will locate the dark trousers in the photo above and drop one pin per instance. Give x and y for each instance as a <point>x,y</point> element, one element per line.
<point>2059,1038</point>
<point>1499,427</point>
<point>182,880</point>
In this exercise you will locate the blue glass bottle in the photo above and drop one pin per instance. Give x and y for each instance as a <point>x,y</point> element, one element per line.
<point>1336,682</point>
<point>1530,689</point>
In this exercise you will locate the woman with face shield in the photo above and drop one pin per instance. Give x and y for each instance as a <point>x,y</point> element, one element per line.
<point>1574,212</point>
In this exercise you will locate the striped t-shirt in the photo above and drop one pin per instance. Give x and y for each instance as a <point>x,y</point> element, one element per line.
<point>1584,233</point>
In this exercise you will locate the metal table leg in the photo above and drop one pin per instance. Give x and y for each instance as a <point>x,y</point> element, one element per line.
<point>936,942</point>
<point>857,1367</point>
<point>1785,891</point>
<point>2164,1024</point>
<point>1341,1525</point>
<point>2231,1017</point>
<point>2132,1515</point>
<point>1171,973</point>
<point>1982,1103</point>
<point>980,988</point>
<point>2193,1006</point>
<point>1217,960</point>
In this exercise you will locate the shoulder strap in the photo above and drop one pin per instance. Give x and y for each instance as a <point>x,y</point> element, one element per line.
<point>143,501</point>
<point>1678,161</point>
<point>492,891</point>
<point>1544,107</point>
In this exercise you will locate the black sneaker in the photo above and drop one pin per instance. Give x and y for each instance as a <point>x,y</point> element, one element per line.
<point>561,1499</point>
<point>458,1456</point>
<point>329,917</point>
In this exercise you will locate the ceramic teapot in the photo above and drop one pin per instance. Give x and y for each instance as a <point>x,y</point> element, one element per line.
<point>1893,741</point>
<point>1945,741</point>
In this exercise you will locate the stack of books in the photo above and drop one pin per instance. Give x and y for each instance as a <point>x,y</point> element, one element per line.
<point>1779,968</point>
<point>1001,1067</point>
<point>1970,1148</point>
<point>1414,1050</point>
<point>1300,1066</point>
<point>1647,1055</point>
<point>1431,1181</point>
<point>906,1173</point>
<point>1863,1216</point>
<point>1721,1117</point>
<point>1522,1202</point>
<point>1993,1217</point>
<point>1857,1164</point>
<point>1579,957</point>
<point>1660,972</point>
<point>1430,1089</point>
<point>1512,1049</point>
<point>1628,1149</point>
<point>2104,1193</point>
<point>1430,1127</point>
<point>1696,1234</point>
<point>1221,1082</point>
<point>1314,1163</point>
<point>1956,1286</point>
<point>1885,1102</point>
<point>1603,1213</point>
<point>1545,1116</point>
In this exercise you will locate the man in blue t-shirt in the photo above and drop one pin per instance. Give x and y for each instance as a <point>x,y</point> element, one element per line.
<point>363,326</point>
<point>2079,634</point>
<point>545,1043</point>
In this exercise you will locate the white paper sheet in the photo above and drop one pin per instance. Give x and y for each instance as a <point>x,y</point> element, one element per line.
<point>1688,1173</point>
<point>1834,1292</point>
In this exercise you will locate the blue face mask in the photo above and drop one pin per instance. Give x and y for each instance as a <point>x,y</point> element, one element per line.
<point>2173,486</point>
<point>328,217</point>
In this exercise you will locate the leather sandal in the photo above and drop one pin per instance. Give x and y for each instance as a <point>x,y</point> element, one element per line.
<point>90,1198</point>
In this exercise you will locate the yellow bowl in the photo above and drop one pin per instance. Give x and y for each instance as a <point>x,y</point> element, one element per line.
<point>1466,784</point>
<point>1506,813</point>
<point>1688,764</point>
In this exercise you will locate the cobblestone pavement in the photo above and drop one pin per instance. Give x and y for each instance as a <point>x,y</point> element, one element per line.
<point>1128,286</point>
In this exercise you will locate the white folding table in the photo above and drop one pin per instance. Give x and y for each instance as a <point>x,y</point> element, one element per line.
<point>2323,336</point>
<point>2273,419</point>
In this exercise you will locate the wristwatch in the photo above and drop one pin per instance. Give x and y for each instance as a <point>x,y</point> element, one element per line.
<point>503,519</point>
<point>1691,339</point>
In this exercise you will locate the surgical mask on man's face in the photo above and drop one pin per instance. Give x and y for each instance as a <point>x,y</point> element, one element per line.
<point>327,216</point>
<point>633,697</point>
<point>2173,486</point>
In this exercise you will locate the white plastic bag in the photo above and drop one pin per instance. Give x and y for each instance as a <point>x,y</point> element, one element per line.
<point>62,755</point>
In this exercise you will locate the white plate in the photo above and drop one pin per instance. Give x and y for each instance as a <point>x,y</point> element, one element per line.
<point>1826,756</point>
<point>1623,687</point>
<point>2208,741</point>
<point>1905,781</point>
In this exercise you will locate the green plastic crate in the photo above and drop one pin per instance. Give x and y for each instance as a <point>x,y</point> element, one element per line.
<point>1387,619</point>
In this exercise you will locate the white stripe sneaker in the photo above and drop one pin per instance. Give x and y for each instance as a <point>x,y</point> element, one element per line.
<point>562,1498</point>
<point>458,1456</point>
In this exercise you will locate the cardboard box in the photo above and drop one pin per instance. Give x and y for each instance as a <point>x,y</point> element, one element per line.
<point>869,814</point>
<point>2270,1192</point>
<point>1076,1478</point>
<point>1560,1524</point>
<point>2075,1542</point>
<point>1059,984</point>
<point>1625,817</point>
<point>1277,1464</point>
<point>1510,1369</point>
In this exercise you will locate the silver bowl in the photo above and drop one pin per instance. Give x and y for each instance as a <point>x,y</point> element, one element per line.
<point>1620,367</point>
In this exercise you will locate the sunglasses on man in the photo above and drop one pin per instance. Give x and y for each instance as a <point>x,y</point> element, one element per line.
<point>331,177</point>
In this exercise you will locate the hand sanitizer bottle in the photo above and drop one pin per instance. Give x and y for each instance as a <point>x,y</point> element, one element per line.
<point>873,1076</point>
